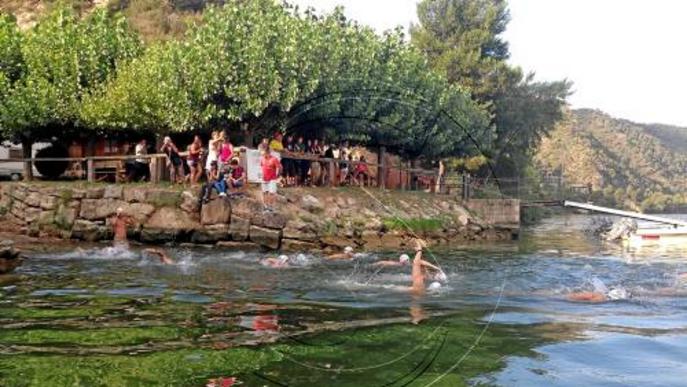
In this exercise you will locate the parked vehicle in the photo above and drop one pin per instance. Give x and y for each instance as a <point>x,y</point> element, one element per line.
<point>15,169</point>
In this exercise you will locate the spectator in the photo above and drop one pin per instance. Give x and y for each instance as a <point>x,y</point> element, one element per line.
<point>303,165</point>
<point>264,144</point>
<point>326,172</point>
<point>276,143</point>
<point>361,170</point>
<point>174,162</point>
<point>315,152</point>
<point>237,176</point>
<point>344,165</point>
<point>226,151</point>
<point>195,153</point>
<point>213,152</point>
<point>271,168</point>
<point>289,164</point>
<point>215,181</point>
<point>142,167</point>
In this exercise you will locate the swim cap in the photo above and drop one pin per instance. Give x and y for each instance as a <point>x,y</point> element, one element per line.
<point>348,249</point>
<point>283,258</point>
<point>441,276</point>
<point>119,210</point>
<point>618,294</point>
<point>404,258</point>
<point>434,285</point>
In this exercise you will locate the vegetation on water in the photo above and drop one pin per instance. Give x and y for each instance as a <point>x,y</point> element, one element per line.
<point>630,165</point>
<point>416,225</point>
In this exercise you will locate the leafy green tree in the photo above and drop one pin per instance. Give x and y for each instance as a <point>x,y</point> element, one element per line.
<point>64,59</point>
<point>462,39</point>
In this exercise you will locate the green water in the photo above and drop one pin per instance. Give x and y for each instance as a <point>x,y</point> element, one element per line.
<point>99,317</point>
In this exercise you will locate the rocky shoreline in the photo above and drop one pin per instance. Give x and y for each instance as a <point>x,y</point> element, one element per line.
<point>306,219</point>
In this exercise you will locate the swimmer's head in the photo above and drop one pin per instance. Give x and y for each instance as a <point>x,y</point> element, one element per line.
<point>119,211</point>
<point>348,250</point>
<point>434,285</point>
<point>404,258</point>
<point>617,294</point>
<point>283,258</point>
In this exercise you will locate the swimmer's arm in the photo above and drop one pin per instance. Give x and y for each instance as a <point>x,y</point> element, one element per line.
<point>385,263</point>
<point>429,265</point>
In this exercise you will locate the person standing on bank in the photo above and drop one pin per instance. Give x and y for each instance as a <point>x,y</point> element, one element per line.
<point>271,169</point>
<point>142,167</point>
<point>174,162</point>
<point>195,153</point>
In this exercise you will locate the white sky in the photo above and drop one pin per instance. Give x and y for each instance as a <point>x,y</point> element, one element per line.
<point>625,57</point>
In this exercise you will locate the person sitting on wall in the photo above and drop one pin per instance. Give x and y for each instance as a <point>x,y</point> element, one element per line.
<point>215,181</point>
<point>237,176</point>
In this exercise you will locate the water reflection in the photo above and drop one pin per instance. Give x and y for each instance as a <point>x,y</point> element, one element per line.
<point>236,317</point>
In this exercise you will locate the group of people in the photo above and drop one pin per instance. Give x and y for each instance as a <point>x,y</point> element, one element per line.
<point>301,165</point>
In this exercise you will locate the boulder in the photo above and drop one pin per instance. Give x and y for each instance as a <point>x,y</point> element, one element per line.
<point>90,231</point>
<point>265,237</point>
<point>95,193</point>
<point>97,209</point>
<point>46,217</point>
<point>10,257</point>
<point>160,235</point>
<point>65,216</point>
<point>134,194</point>
<point>246,207</point>
<point>311,204</point>
<point>74,193</point>
<point>49,202</point>
<point>170,218</point>
<point>239,228</point>
<point>113,192</point>
<point>189,202</point>
<point>297,245</point>
<point>139,211</point>
<point>273,220</point>
<point>211,234</point>
<point>33,199</point>
<point>216,211</point>
<point>31,214</point>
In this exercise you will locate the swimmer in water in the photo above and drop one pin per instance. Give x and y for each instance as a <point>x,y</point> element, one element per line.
<point>280,262</point>
<point>403,260</point>
<point>164,258</point>
<point>420,269</point>
<point>347,254</point>
<point>598,297</point>
<point>119,223</point>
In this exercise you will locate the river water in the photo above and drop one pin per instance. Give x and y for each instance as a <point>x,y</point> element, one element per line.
<point>98,316</point>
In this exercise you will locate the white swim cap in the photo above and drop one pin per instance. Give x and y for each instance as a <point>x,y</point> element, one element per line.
<point>617,294</point>
<point>404,258</point>
<point>348,250</point>
<point>434,285</point>
<point>283,258</point>
<point>441,276</point>
<point>119,210</point>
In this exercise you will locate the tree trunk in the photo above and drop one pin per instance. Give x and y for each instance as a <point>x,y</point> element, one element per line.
<point>26,147</point>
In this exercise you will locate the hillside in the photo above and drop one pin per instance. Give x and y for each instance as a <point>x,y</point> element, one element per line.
<point>637,166</point>
<point>152,19</point>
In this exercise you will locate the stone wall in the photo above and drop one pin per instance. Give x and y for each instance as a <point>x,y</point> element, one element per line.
<point>498,212</point>
<point>317,219</point>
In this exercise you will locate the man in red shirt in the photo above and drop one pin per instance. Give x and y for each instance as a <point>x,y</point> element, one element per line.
<point>271,170</point>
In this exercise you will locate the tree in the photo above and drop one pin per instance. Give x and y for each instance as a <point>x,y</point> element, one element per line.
<point>462,39</point>
<point>64,59</point>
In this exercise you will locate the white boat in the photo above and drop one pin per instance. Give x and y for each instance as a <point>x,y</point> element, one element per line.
<point>674,236</point>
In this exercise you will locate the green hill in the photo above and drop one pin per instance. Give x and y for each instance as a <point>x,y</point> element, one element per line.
<point>637,166</point>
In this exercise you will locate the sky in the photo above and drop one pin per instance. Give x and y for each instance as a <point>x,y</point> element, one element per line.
<point>625,57</point>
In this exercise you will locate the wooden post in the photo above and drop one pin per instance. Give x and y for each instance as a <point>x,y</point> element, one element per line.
<point>332,174</point>
<point>90,170</point>
<point>155,171</point>
<point>381,170</point>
